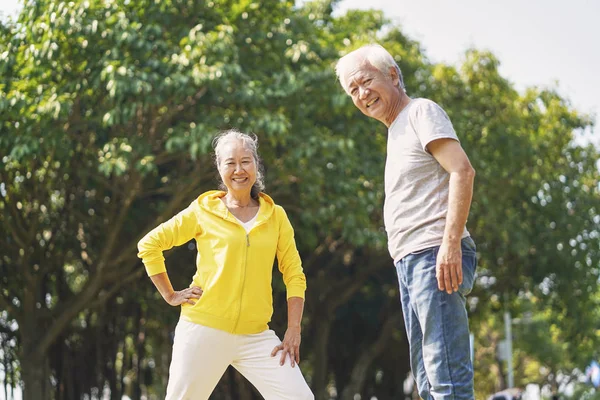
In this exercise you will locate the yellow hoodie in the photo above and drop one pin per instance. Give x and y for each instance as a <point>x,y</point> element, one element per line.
<point>234,268</point>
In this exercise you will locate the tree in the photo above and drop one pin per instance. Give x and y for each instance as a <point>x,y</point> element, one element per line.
<point>109,111</point>
<point>536,191</point>
<point>103,102</point>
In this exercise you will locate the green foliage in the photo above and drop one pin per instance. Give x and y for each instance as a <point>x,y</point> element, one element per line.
<point>585,392</point>
<point>109,110</point>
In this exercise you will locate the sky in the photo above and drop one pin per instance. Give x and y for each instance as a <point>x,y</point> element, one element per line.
<point>546,43</point>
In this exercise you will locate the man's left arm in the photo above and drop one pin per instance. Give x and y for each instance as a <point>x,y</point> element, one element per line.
<point>452,157</point>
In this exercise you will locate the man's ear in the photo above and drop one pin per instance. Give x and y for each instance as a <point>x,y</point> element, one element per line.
<point>394,76</point>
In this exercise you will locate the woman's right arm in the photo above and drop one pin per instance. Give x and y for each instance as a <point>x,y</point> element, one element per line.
<point>178,230</point>
<point>175,297</point>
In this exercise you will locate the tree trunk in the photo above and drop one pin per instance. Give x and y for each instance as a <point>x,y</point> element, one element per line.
<point>243,387</point>
<point>110,372</point>
<point>365,360</point>
<point>320,376</point>
<point>7,372</point>
<point>140,354</point>
<point>123,368</point>
<point>35,375</point>
<point>501,375</point>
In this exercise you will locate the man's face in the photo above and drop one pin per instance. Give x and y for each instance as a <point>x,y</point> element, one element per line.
<point>372,92</point>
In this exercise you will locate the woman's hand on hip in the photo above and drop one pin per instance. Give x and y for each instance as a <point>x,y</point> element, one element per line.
<point>189,296</point>
<point>289,347</point>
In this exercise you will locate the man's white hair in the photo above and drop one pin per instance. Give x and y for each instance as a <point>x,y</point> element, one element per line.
<point>372,54</point>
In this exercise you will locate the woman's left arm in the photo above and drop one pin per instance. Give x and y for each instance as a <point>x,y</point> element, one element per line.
<point>290,266</point>
<point>293,335</point>
<point>288,259</point>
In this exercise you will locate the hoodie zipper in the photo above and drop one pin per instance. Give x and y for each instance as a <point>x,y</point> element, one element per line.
<point>243,279</point>
<point>245,271</point>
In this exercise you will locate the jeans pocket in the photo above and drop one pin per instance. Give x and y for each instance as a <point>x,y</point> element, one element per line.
<point>468,245</point>
<point>469,263</point>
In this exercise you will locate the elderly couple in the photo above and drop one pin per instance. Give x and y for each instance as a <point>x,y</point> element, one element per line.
<point>239,231</point>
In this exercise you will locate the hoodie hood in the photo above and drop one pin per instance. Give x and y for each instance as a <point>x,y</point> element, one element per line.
<point>212,202</point>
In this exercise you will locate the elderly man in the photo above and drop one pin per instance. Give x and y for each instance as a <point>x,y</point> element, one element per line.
<point>428,190</point>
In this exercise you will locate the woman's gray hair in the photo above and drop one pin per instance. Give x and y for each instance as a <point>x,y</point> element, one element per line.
<point>373,54</point>
<point>250,142</point>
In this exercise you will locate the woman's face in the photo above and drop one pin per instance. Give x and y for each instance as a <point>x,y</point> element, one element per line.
<point>237,167</point>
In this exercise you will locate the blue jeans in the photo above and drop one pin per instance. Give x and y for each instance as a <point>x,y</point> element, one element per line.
<point>437,326</point>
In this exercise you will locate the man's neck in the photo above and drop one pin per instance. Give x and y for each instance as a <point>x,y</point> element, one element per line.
<point>403,101</point>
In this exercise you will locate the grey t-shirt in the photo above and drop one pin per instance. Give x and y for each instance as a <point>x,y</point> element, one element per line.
<point>416,185</point>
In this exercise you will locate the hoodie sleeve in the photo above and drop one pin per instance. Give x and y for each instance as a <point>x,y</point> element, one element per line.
<point>175,232</point>
<point>288,258</point>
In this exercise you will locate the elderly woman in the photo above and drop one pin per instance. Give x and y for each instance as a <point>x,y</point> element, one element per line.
<point>226,309</point>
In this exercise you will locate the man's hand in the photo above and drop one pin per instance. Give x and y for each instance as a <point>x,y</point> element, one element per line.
<point>448,269</point>
<point>189,295</point>
<point>290,346</point>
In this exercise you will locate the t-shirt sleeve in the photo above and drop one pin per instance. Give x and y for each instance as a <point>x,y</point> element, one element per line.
<point>431,123</point>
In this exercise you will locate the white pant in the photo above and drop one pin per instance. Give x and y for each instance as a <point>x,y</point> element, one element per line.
<point>202,354</point>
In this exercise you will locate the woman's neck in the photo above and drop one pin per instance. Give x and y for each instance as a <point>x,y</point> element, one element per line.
<point>239,200</point>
